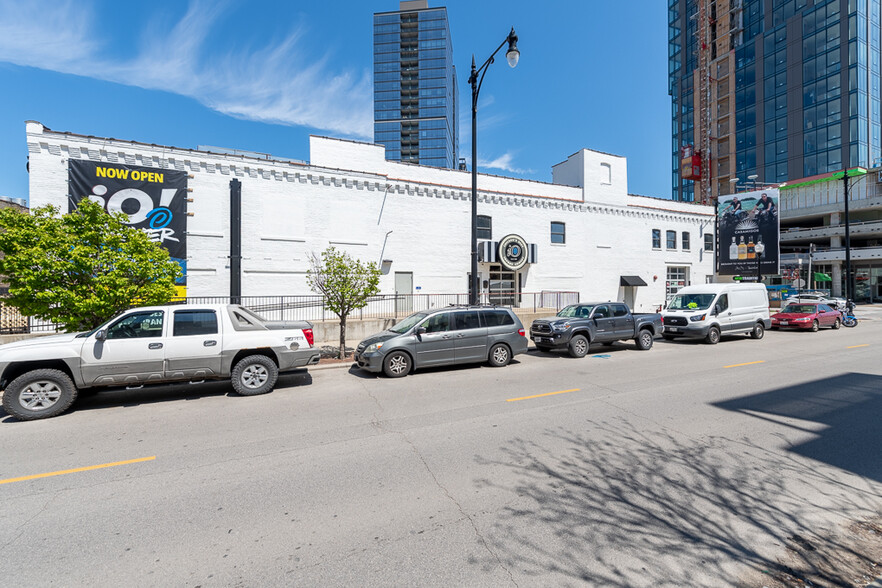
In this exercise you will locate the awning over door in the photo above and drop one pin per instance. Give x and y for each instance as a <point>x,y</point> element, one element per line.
<point>632,281</point>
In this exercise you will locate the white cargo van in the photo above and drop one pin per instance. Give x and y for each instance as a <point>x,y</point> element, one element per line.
<point>707,311</point>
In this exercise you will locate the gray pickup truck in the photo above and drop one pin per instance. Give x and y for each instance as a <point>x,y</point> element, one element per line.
<point>579,325</point>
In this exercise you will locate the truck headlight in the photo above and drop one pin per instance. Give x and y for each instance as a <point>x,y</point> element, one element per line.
<point>373,348</point>
<point>561,327</point>
<point>697,318</point>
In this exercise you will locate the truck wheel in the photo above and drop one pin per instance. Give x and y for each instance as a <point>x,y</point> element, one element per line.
<point>578,346</point>
<point>713,335</point>
<point>39,394</point>
<point>500,355</point>
<point>758,331</point>
<point>644,340</point>
<point>255,374</point>
<point>396,364</point>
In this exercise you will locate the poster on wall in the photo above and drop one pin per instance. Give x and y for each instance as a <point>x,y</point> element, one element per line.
<point>744,222</point>
<point>155,200</point>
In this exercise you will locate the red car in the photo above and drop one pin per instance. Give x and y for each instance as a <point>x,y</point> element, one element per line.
<point>807,315</point>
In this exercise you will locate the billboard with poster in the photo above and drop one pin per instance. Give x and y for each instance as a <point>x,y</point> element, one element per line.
<point>744,221</point>
<point>155,201</point>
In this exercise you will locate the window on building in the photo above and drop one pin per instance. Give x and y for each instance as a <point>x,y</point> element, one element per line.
<point>708,242</point>
<point>685,239</point>
<point>677,277</point>
<point>558,232</point>
<point>656,238</point>
<point>671,240</point>
<point>485,227</point>
<point>605,173</point>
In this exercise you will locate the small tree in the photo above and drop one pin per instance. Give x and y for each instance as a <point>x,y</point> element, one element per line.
<point>81,268</point>
<point>346,284</point>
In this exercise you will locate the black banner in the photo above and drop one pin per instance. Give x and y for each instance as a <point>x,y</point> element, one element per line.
<point>155,200</point>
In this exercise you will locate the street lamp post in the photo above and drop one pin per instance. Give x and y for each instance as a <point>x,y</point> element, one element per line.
<point>512,56</point>
<point>759,249</point>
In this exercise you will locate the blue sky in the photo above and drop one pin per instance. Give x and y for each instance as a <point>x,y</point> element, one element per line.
<point>263,76</point>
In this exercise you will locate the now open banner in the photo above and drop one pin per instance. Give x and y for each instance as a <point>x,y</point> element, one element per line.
<point>154,200</point>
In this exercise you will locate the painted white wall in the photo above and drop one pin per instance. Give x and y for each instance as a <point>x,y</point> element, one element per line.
<point>350,197</point>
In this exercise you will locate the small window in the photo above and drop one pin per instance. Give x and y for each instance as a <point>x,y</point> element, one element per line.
<point>496,318</point>
<point>619,310</point>
<point>723,302</point>
<point>195,322</point>
<point>558,232</point>
<point>138,325</point>
<point>602,311</point>
<point>656,239</point>
<point>466,320</point>
<point>437,323</point>
<point>708,242</point>
<point>485,227</point>
<point>672,239</point>
<point>685,238</point>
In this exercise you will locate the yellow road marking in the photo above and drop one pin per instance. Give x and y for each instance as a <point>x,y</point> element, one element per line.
<point>541,395</point>
<point>75,470</point>
<point>748,363</point>
<point>856,346</point>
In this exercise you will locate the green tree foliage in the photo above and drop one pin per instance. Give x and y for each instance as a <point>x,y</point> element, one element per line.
<point>345,282</point>
<point>81,268</point>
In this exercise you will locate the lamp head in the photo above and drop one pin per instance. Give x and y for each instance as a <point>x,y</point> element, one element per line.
<point>512,55</point>
<point>760,248</point>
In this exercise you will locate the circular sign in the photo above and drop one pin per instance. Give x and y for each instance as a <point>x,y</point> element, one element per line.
<point>512,252</point>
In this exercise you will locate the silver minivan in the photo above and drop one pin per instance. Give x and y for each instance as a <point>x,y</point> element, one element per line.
<point>446,336</point>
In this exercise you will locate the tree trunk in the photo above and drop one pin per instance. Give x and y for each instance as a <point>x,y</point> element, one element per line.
<point>343,337</point>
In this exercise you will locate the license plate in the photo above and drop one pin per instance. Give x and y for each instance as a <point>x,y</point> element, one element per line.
<point>783,322</point>
<point>672,329</point>
<point>543,340</point>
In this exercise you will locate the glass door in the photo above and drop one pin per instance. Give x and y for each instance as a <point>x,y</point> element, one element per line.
<point>502,286</point>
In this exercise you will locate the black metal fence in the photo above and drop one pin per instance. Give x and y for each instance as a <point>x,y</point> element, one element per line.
<point>313,308</point>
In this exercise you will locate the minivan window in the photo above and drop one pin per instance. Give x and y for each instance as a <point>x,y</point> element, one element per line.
<point>496,318</point>
<point>691,302</point>
<point>466,320</point>
<point>407,324</point>
<point>437,323</point>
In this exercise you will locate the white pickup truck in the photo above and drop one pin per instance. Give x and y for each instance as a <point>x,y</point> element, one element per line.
<point>40,377</point>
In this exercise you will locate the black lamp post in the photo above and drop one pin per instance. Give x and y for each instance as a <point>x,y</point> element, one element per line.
<point>759,249</point>
<point>511,56</point>
<point>849,280</point>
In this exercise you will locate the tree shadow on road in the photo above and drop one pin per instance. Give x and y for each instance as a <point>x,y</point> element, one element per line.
<point>621,507</point>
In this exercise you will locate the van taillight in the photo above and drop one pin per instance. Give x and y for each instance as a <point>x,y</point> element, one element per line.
<point>309,337</point>
<point>522,333</point>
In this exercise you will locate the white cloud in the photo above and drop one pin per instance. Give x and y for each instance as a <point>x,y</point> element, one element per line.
<point>503,162</point>
<point>279,83</point>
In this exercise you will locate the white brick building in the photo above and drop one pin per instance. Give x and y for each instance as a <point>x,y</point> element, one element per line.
<point>415,217</point>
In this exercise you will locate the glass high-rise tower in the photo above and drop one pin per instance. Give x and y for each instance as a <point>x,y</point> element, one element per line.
<point>415,88</point>
<point>776,89</point>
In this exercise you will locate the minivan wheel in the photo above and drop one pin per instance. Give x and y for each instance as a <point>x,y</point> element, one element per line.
<point>713,336</point>
<point>500,355</point>
<point>396,364</point>
<point>578,346</point>
<point>39,394</point>
<point>758,331</point>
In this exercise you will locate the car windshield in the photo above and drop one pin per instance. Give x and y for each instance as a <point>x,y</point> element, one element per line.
<point>576,310</point>
<point>691,302</point>
<point>408,323</point>
<point>800,309</point>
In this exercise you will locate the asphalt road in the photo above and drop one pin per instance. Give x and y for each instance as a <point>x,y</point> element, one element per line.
<point>688,464</point>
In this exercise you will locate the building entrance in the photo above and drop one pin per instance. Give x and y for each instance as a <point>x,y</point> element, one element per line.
<point>503,290</point>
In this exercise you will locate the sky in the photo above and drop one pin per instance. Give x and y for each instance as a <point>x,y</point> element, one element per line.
<point>263,76</point>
